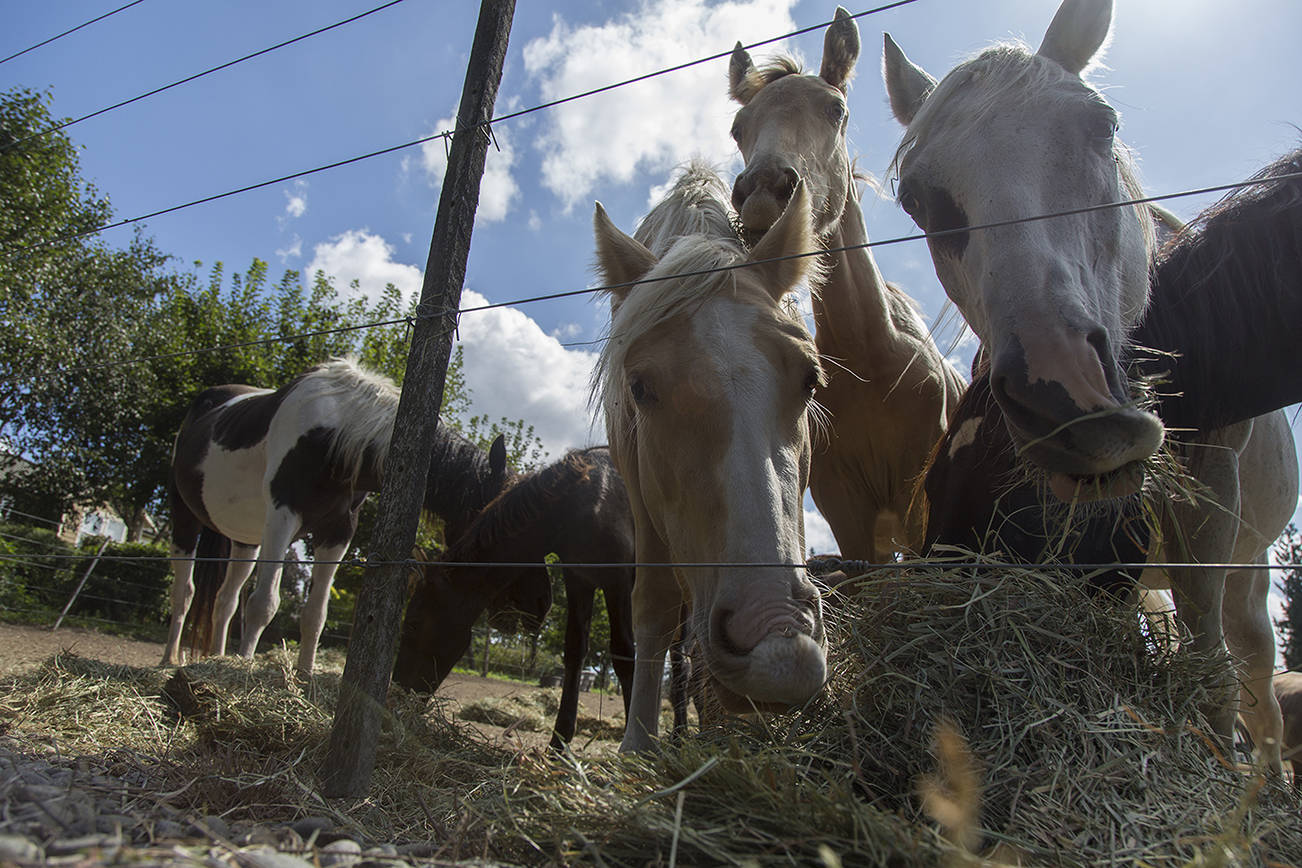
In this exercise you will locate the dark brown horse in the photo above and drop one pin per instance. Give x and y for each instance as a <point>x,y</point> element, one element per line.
<point>576,508</point>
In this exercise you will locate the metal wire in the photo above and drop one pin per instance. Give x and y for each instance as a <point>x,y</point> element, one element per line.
<point>73,30</point>
<point>821,564</point>
<point>447,134</point>
<point>197,75</point>
<point>917,236</point>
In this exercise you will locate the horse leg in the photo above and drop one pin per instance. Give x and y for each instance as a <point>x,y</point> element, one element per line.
<point>243,560</point>
<point>678,679</point>
<point>619,609</point>
<point>1204,532</point>
<point>657,600</point>
<point>578,621</point>
<point>185,542</point>
<point>1268,485</point>
<point>313,619</point>
<point>277,534</point>
<point>182,596</point>
<point>849,513</point>
<point>1251,640</point>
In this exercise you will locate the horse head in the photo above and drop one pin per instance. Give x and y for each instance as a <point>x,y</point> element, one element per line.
<point>1009,135</point>
<point>706,383</point>
<point>792,126</point>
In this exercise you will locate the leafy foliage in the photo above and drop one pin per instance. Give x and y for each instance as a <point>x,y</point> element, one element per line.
<point>1288,550</point>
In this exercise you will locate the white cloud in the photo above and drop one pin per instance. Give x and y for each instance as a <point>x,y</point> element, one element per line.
<point>517,370</point>
<point>498,190</point>
<point>293,251</point>
<point>652,125</point>
<point>512,367</point>
<point>296,200</point>
<point>359,255</point>
<point>818,533</point>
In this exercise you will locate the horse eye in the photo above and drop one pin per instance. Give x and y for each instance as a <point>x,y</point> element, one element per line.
<point>641,392</point>
<point>911,204</point>
<point>836,111</point>
<point>813,379</point>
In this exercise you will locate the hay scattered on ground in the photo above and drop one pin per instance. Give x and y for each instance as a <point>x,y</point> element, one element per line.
<point>1073,742</point>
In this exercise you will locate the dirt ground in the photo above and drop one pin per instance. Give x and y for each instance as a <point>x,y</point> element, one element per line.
<point>25,646</point>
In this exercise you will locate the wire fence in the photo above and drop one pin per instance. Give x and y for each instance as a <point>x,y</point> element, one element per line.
<point>47,561</point>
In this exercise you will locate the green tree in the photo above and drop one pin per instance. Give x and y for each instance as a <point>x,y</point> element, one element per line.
<point>1288,550</point>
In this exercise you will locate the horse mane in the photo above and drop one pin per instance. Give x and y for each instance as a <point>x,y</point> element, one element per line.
<point>1010,70</point>
<point>368,403</point>
<point>1228,279</point>
<point>691,230</point>
<point>455,489</point>
<point>759,77</point>
<point>527,499</point>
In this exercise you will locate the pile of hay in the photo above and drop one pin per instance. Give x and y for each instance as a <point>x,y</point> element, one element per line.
<point>1085,746</point>
<point>1073,743</point>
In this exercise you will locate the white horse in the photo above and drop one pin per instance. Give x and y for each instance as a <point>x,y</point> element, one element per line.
<point>707,383</point>
<point>1013,134</point>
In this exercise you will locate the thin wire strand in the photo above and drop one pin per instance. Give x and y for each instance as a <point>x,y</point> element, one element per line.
<point>917,236</point>
<point>447,134</point>
<point>818,564</point>
<point>73,30</point>
<point>117,105</point>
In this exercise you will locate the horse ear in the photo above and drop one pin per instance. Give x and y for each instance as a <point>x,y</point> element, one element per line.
<point>621,258</point>
<point>497,456</point>
<point>907,84</point>
<point>840,50</point>
<point>792,234</point>
<point>1078,32</point>
<point>740,86</point>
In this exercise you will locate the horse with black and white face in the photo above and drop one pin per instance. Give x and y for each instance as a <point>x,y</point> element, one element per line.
<point>262,468</point>
<point>1013,134</point>
<point>707,383</point>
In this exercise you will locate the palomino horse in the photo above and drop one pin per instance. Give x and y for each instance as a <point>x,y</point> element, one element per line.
<point>707,383</point>
<point>889,391</point>
<point>1011,135</point>
<point>578,509</point>
<point>262,468</point>
<point>1288,692</point>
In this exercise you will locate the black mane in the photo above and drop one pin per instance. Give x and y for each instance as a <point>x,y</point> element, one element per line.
<point>460,482</point>
<point>526,500</point>
<point>1227,296</point>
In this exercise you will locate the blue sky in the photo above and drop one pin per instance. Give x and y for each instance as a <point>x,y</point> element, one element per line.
<point>1206,89</point>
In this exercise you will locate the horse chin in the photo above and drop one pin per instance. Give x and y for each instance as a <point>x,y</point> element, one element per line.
<point>1122,482</point>
<point>734,703</point>
<point>759,212</point>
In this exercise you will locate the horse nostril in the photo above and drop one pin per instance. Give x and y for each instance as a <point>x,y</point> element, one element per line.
<point>790,178</point>
<point>742,188</point>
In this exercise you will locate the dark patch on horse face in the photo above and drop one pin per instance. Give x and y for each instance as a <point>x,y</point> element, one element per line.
<point>934,210</point>
<point>304,484</point>
<point>245,423</point>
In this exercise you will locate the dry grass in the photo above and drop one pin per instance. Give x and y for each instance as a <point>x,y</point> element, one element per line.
<point>1070,741</point>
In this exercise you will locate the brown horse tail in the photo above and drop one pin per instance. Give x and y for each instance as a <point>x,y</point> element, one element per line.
<point>208,574</point>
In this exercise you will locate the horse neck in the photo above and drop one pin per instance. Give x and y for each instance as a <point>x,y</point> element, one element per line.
<point>457,483</point>
<point>853,312</point>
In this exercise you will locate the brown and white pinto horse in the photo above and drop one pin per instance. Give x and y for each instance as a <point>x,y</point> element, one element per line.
<point>578,509</point>
<point>889,391</point>
<point>707,382</point>
<point>262,468</point>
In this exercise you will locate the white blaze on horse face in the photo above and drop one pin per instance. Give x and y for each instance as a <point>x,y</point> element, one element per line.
<point>1011,135</point>
<point>723,455</point>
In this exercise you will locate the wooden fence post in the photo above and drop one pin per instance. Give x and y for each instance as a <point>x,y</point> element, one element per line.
<point>350,758</point>
<point>84,576</point>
